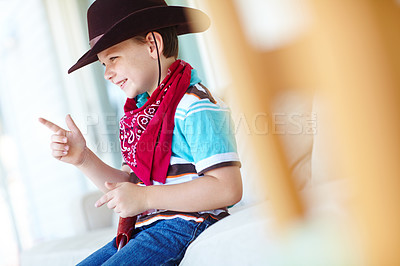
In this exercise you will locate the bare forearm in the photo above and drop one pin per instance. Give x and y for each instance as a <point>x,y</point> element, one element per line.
<point>204,193</point>
<point>99,172</point>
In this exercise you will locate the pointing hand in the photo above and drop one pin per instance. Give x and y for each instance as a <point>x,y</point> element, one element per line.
<point>67,146</point>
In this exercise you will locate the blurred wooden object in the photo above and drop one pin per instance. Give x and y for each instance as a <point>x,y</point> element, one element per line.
<point>357,61</point>
<point>352,53</point>
<point>251,86</point>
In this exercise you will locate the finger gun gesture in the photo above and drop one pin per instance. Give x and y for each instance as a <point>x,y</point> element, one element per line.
<point>66,146</point>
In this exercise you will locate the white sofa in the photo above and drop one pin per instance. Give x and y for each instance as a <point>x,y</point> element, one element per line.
<point>247,236</point>
<point>99,229</point>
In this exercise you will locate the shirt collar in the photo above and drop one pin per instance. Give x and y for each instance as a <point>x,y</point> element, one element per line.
<point>141,99</point>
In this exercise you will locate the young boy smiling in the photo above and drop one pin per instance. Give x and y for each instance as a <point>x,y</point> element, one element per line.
<point>175,136</point>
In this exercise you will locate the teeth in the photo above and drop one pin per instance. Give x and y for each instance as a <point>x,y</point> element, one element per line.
<point>123,82</point>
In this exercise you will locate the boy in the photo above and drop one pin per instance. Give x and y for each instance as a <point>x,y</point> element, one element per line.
<point>174,135</point>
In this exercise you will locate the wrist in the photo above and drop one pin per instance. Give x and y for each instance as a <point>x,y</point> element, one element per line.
<point>82,161</point>
<point>147,195</point>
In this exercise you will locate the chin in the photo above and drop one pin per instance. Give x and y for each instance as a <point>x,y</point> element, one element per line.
<point>130,94</point>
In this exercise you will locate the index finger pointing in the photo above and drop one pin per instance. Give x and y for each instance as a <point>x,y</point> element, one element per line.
<point>53,127</point>
<point>104,199</point>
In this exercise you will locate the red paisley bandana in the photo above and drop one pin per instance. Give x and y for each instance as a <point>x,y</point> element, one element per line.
<point>146,132</point>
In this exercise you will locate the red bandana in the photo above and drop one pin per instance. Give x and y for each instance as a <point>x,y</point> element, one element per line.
<point>146,132</point>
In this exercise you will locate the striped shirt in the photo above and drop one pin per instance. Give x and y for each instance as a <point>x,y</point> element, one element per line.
<point>203,139</point>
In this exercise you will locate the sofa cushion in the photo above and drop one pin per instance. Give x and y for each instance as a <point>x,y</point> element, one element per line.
<point>239,239</point>
<point>67,251</point>
<point>249,237</point>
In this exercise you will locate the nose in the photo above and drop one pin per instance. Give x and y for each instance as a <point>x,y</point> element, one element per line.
<point>109,73</point>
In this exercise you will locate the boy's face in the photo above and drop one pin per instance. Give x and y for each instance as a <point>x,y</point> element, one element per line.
<point>130,66</point>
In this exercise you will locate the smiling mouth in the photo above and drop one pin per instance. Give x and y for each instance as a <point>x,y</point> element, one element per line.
<point>122,83</point>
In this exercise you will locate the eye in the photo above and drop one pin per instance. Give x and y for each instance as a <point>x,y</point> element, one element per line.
<point>112,58</point>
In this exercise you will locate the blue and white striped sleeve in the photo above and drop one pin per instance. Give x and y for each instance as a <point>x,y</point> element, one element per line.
<point>209,133</point>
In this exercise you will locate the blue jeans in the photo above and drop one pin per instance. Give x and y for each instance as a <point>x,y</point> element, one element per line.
<point>160,243</point>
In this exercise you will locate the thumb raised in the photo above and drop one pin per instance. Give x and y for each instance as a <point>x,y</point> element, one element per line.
<point>71,124</point>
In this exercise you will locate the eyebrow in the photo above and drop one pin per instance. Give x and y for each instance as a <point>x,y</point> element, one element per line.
<point>106,54</point>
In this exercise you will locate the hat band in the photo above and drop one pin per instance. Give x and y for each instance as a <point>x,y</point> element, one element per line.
<point>93,41</point>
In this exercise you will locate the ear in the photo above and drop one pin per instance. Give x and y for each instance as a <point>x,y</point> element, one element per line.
<point>152,44</point>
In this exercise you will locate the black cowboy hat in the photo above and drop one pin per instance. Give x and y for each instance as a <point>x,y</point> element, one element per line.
<point>113,21</point>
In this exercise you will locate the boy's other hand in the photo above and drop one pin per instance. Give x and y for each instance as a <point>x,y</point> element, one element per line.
<point>126,199</point>
<point>66,146</point>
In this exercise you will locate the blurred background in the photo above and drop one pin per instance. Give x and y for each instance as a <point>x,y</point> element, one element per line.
<point>313,86</point>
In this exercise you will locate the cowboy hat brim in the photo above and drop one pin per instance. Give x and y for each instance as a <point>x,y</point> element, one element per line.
<point>187,20</point>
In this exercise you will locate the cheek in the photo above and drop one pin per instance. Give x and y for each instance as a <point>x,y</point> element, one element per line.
<point>150,74</point>
<point>143,72</point>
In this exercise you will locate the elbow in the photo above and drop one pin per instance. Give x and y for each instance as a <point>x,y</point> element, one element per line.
<point>234,194</point>
<point>230,188</point>
<point>237,196</point>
